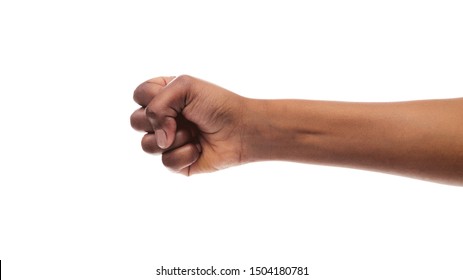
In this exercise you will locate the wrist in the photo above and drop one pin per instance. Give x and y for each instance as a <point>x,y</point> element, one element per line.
<point>276,130</point>
<point>255,132</point>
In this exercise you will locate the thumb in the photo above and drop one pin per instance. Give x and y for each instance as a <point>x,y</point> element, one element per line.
<point>165,107</point>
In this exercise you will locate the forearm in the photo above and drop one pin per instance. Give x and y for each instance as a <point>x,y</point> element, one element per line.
<point>422,139</point>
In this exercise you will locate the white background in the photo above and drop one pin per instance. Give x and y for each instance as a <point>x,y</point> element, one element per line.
<point>80,200</point>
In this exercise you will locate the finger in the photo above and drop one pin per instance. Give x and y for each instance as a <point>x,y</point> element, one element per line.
<point>139,121</point>
<point>181,158</point>
<point>166,106</point>
<point>145,92</point>
<point>149,144</point>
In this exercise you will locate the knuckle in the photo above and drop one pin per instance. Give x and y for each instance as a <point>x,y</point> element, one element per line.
<point>138,92</point>
<point>155,114</point>
<point>137,120</point>
<point>184,79</point>
<point>169,161</point>
<point>150,111</point>
<point>134,120</point>
<point>147,144</point>
<point>177,160</point>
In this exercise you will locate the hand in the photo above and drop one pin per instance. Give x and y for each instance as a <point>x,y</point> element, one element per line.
<point>197,126</point>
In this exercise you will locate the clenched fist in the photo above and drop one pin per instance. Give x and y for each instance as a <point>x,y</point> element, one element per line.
<point>196,126</point>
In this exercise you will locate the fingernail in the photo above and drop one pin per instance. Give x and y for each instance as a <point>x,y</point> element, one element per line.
<point>161,138</point>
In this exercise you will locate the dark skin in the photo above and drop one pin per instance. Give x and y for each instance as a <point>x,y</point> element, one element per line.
<point>199,127</point>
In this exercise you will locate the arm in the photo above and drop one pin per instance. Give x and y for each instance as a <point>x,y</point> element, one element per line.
<point>421,139</point>
<point>200,127</point>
